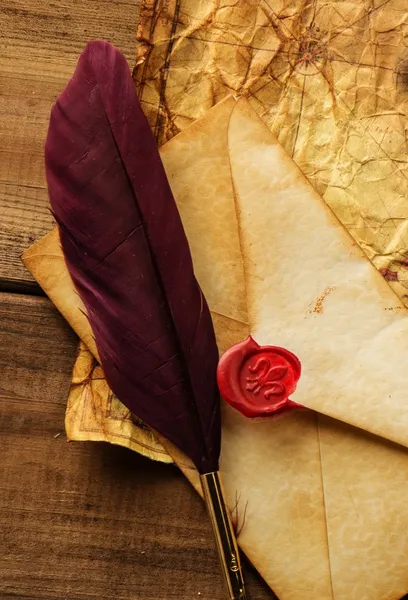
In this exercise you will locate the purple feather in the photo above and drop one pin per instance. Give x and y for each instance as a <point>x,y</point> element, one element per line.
<point>129,258</point>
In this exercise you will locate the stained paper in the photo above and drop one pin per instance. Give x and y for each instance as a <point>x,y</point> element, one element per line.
<point>329,78</point>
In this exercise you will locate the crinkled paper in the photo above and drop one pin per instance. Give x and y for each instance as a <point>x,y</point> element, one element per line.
<point>329,78</point>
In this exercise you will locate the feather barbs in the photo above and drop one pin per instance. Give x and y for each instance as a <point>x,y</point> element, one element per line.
<point>129,258</point>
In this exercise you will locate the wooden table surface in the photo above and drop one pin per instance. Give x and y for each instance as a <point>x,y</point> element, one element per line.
<point>77,521</point>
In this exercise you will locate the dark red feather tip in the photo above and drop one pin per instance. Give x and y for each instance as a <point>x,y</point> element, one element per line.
<point>129,258</point>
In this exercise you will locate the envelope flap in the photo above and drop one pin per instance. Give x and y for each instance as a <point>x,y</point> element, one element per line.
<point>311,290</point>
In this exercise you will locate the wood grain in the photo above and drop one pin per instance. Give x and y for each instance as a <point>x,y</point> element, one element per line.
<point>83,521</point>
<point>40,43</point>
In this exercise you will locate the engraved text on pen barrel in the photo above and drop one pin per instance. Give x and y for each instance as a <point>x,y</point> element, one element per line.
<point>234,564</point>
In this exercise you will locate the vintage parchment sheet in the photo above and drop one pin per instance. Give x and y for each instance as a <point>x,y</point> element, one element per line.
<point>329,78</point>
<point>95,414</point>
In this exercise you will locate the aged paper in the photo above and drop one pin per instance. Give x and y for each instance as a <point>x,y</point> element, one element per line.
<point>329,78</point>
<point>321,508</point>
<point>95,414</point>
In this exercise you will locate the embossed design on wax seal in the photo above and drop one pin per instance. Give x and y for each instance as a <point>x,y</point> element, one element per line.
<point>258,380</point>
<point>265,378</point>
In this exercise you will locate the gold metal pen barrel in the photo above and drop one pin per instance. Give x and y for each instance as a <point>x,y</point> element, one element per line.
<point>226,542</point>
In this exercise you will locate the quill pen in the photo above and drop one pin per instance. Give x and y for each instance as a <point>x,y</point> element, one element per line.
<point>129,258</point>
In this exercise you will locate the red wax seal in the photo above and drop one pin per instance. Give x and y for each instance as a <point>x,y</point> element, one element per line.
<point>258,380</point>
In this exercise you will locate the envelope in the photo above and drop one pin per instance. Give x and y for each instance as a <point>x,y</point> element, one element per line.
<point>319,494</point>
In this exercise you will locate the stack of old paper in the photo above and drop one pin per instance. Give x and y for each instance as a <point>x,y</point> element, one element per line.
<point>324,497</point>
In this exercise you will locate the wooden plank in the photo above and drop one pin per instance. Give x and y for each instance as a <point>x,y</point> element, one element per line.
<point>83,521</point>
<point>39,47</point>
